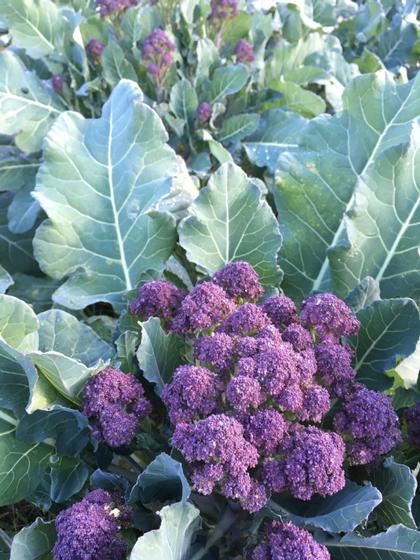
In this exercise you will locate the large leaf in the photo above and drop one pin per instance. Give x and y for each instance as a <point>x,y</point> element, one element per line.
<point>316,184</point>
<point>100,184</point>
<point>381,234</point>
<point>61,332</point>
<point>231,221</point>
<point>389,331</point>
<point>398,486</point>
<point>237,127</point>
<point>68,476</point>
<point>35,290</point>
<point>68,427</point>
<point>227,80</point>
<point>16,169</point>
<point>33,542</point>
<point>58,375</point>
<point>302,101</point>
<point>339,513</point>
<point>5,280</point>
<point>27,106</point>
<point>15,370</point>
<point>279,131</point>
<point>398,543</point>
<point>18,324</point>
<point>21,465</point>
<point>23,211</point>
<point>115,64</point>
<point>15,249</point>
<point>172,540</point>
<point>184,102</point>
<point>159,353</point>
<point>35,25</point>
<point>162,480</point>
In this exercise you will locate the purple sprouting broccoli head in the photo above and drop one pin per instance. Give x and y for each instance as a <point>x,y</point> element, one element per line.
<point>95,48</point>
<point>114,7</point>
<point>217,351</point>
<point>116,402</point>
<point>369,424</point>
<point>283,540</point>
<point>158,298</point>
<point>277,370</point>
<point>57,82</point>
<point>246,320</point>
<point>204,112</point>
<point>193,392</point>
<point>157,52</point>
<point>240,281</point>
<point>244,51</point>
<point>281,310</point>
<point>203,308</point>
<point>89,529</point>
<point>312,463</point>
<point>412,417</point>
<point>329,316</point>
<point>223,9</point>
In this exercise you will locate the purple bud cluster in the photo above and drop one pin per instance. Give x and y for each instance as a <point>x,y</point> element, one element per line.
<point>95,48</point>
<point>285,541</point>
<point>412,417</point>
<point>244,51</point>
<point>248,414</point>
<point>116,403</point>
<point>157,52</point>
<point>88,530</point>
<point>57,82</point>
<point>369,424</point>
<point>223,9</point>
<point>204,112</point>
<point>113,7</point>
<point>157,298</point>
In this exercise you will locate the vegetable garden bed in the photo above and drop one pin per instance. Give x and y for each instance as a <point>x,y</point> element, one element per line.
<point>209,280</point>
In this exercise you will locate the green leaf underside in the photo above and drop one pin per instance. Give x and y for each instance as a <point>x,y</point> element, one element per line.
<point>162,480</point>
<point>100,185</point>
<point>389,331</point>
<point>18,324</point>
<point>159,353</point>
<point>397,543</point>
<point>173,539</point>
<point>27,106</point>
<point>5,280</point>
<point>398,486</point>
<point>339,513</point>
<point>231,221</point>
<point>21,465</point>
<point>316,184</point>
<point>61,332</point>
<point>33,542</point>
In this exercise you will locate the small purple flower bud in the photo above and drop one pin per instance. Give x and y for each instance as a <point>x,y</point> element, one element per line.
<point>412,417</point>
<point>57,82</point>
<point>244,51</point>
<point>95,48</point>
<point>204,112</point>
<point>240,281</point>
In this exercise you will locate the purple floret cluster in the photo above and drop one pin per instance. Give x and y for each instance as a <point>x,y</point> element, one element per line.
<point>204,112</point>
<point>157,298</point>
<point>116,403</point>
<point>249,412</point>
<point>95,48</point>
<point>223,9</point>
<point>285,541</point>
<point>89,529</point>
<point>244,51</point>
<point>157,52</point>
<point>114,7</point>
